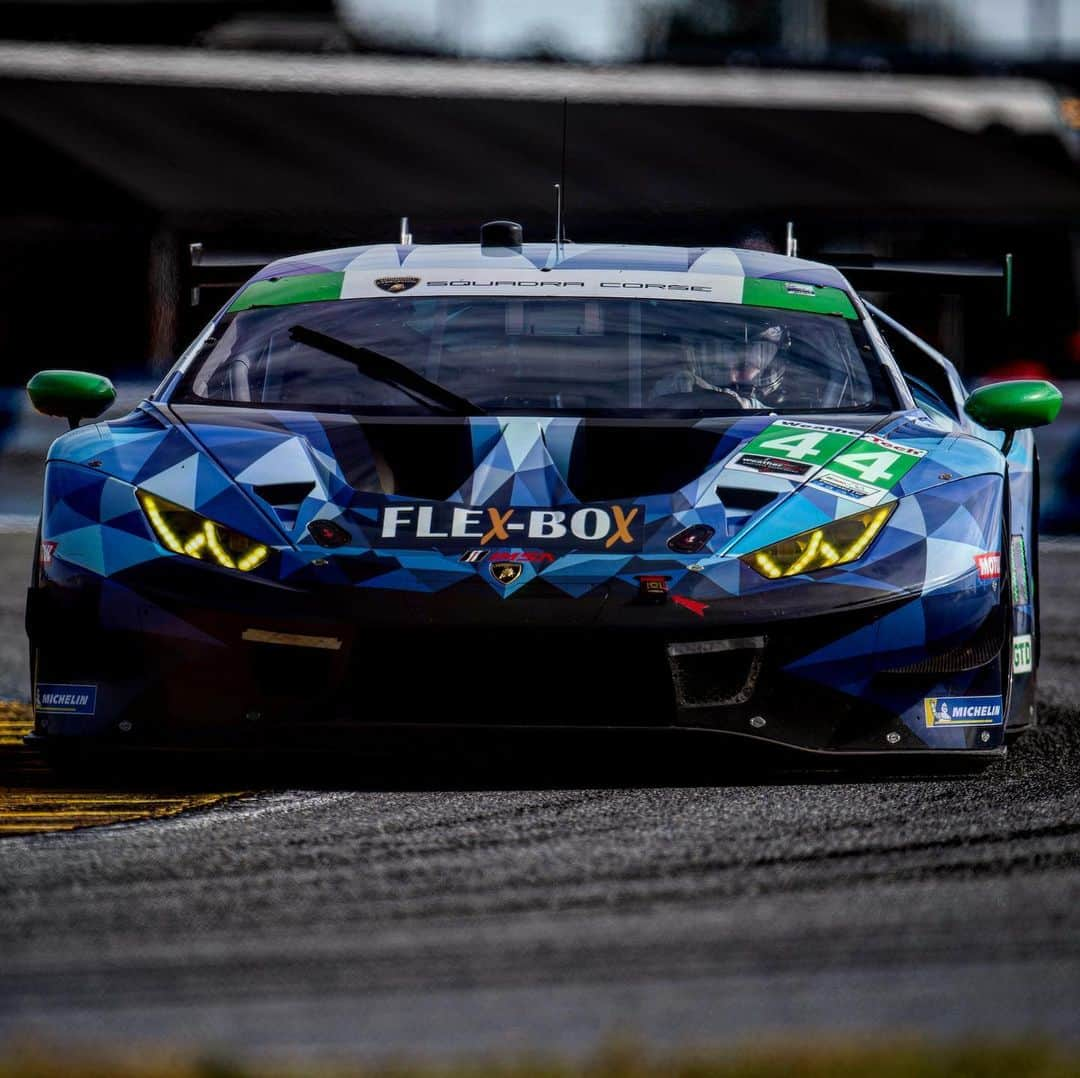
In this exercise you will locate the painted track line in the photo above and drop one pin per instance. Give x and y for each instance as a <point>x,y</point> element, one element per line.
<point>34,800</point>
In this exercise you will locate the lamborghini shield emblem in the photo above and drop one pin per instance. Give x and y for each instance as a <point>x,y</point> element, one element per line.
<point>505,572</point>
<point>396,284</point>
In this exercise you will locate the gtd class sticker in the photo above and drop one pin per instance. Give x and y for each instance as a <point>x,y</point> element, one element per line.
<point>1022,654</point>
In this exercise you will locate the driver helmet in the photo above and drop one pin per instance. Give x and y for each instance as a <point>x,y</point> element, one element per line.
<point>754,366</point>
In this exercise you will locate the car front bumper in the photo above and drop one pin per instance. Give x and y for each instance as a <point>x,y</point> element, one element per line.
<point>188,652</point>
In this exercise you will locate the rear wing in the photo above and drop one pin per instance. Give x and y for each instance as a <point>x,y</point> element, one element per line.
<point>222,270</point>
<point>868,273</point>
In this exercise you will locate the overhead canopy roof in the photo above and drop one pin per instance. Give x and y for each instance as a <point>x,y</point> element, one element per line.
<point>343,142</point>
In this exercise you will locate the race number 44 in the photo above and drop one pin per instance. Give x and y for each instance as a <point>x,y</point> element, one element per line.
<point>876,461</point>
<point>871,467</point>
<point>796,446</point>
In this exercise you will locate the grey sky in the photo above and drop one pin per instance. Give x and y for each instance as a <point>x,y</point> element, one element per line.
<point>603,29</point>
<point>1005,24</point>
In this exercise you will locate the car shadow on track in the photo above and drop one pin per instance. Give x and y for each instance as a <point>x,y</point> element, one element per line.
<point>500,760</point>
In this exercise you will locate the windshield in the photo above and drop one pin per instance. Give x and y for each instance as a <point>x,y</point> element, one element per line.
<point>537,356</point>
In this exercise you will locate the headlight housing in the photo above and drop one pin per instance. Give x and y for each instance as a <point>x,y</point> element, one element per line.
<point>837,543</point>
<point>184,532</point>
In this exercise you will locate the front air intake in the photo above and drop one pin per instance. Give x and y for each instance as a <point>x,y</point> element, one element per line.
<point>981,648</point>
<point>715,673</point>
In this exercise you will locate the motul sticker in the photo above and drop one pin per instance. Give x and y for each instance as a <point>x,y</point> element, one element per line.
<point>988,565</point>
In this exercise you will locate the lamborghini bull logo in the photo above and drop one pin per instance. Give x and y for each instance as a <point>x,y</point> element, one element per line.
<point>505,572</point>
<point>396,284</point>
<point>617,528</point>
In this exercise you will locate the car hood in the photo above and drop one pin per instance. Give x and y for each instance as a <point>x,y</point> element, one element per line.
<point>591,506</point>
<point>397,482</point>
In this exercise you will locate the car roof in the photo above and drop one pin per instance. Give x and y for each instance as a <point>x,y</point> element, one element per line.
<point>703,274</point>
<point>722,261</point>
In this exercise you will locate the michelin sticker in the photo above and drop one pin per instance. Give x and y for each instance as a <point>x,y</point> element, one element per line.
<point>963,711</point>
<point>1022,654</point>
<point>66,699</point>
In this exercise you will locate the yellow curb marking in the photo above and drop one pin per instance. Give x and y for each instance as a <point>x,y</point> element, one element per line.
<point>34,800</point>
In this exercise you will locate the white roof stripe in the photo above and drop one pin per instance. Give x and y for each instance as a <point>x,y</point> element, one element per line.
<point>719,260</point>
<point>513,281</point>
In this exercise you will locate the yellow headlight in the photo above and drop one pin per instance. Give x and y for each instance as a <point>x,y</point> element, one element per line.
<point>837,543</point>
<point>184,532</point>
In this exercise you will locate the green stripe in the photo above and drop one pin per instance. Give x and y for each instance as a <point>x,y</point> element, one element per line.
<point>825,299</point>
<point>305,288</point>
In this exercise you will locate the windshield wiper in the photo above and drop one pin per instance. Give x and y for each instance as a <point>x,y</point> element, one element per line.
<point>389,371</point>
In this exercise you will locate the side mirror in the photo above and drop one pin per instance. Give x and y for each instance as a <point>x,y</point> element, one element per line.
<point>1013,406</point>
<point>71,395</point>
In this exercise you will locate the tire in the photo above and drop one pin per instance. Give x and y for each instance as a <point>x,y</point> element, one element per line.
<point>34,584</point>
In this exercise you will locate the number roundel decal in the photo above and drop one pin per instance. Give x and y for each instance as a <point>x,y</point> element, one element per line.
<point>843,462</point>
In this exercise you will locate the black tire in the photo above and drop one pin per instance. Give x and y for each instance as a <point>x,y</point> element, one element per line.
<point>34,584</point>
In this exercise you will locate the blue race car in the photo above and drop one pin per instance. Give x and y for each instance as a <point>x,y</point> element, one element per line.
<point>516,484</point>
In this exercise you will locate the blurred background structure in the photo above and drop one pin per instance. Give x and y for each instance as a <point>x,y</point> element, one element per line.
<point>913,129</point>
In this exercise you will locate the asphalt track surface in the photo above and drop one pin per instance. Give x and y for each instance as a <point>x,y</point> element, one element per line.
<point>504,895</point>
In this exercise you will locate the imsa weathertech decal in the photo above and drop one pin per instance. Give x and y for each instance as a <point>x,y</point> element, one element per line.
<point>754,462</point>
<point>474,556</point>
<point>1022,654</point>
<point>834,483</point>
<point>963,711</point>
<point>67,699</point>
<point>617,528</point>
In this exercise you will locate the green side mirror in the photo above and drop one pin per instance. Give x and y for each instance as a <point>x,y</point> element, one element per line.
<point>71,395</point>
<point>1013,406</point>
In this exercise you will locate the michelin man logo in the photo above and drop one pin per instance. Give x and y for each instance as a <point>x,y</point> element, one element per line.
<point>963,711</point>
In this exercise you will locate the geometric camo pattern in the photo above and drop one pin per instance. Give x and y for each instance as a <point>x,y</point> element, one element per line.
<point>215,465</point>
<point>219,461</point>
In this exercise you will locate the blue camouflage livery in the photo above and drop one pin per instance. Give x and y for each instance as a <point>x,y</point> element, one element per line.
<point>526,542</point>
